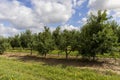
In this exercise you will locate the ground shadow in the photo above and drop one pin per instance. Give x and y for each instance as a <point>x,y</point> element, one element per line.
<point>57,61</point>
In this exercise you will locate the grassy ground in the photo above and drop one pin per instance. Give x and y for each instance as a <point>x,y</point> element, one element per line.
<point>55,52</point>
<point>14,69</point>
<point>17,50</point>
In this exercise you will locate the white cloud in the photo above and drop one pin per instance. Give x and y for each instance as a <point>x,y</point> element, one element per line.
<point>53,11</point>
<point>117,13</point>
<point>42,12</point>
<point>7,31</point>
<point>78,2</point>
<point>113,6</point>
<point>18,15</point>
<point>11,31</point>
<point>69,27</point>
<point>83,20</point>
<point>74,2</point>
<point>104,4</point>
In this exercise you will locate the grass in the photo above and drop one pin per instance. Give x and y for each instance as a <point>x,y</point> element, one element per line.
<point>55,52</point>
<point>107,55</point>
<point>73,53</point>
<point>17,50</point>
<point>13,69</point>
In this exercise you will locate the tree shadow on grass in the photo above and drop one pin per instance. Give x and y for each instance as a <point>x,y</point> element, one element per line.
<point>52,61</point>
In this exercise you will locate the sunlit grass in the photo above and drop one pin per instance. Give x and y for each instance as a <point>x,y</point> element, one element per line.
<point>17,50</point>
<point>13,69</point>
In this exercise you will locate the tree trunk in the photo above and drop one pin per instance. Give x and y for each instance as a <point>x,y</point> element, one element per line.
<point>45,55</point>
<point>66,55</point>
<point>94,58</point>
<point>77,56</point>
<point>31,51</point>
<point>31,46</point>
<point>58,54</point>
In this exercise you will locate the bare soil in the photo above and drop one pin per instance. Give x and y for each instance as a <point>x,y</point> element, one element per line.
<point>103,64</point>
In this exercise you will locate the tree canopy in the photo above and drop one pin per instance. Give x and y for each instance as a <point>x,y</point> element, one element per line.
<point>99,35</point>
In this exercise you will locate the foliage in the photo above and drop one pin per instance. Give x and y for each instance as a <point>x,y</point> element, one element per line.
<point>68,41</point>
<point>45,42</point>
<point>2,46</point>
<point>15,41</point>
<point>24,39</point>
<point>56,36</point>
<point>97,36</point>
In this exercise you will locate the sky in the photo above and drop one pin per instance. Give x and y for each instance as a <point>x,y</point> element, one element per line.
<point>17,16</point>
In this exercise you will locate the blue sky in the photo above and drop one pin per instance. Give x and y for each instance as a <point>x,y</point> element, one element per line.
<point>18,15</point>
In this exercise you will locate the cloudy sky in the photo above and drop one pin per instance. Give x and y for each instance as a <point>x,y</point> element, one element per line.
<point>18,15</point>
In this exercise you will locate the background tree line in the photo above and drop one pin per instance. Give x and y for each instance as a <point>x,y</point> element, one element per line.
<point>99,35</point>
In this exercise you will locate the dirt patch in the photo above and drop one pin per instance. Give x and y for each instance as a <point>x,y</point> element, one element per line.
<point>102,64</point>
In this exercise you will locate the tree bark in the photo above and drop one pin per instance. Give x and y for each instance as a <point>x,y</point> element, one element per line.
<point>31,51</point>
<point>67,53</point>
<point>94,58</point>
<point>58,54</point>
<point>45,55</point>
